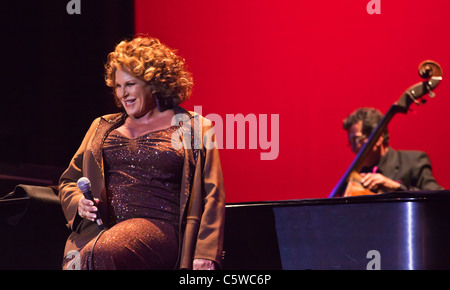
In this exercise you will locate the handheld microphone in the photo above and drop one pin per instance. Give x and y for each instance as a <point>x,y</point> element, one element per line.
<point>84,184</point>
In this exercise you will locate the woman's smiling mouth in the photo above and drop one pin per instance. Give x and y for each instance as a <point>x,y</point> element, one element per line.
<point>129,102</point>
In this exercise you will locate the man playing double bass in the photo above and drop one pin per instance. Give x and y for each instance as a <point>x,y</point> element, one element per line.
<point>385,169</point>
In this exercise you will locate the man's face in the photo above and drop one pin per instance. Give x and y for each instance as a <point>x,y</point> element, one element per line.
<point>356,138</point>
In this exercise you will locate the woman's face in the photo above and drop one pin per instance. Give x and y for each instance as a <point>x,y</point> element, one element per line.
<point>134,94</point>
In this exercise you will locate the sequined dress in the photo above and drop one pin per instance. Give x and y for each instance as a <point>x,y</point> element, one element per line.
<point>143,180</point>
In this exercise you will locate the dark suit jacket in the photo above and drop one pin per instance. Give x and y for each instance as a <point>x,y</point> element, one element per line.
<point>412,169</point>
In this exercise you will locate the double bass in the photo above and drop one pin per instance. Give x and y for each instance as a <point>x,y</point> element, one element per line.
<point>350,183</point>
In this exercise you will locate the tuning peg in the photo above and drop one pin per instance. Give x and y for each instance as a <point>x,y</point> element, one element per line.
<point>432,94</point>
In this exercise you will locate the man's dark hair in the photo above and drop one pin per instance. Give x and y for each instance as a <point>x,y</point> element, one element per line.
<point>370,118</point>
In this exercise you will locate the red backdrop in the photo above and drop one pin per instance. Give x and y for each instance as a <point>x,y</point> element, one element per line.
<point>310,63</point>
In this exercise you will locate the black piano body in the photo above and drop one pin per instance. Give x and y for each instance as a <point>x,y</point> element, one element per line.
<point>390,231</point>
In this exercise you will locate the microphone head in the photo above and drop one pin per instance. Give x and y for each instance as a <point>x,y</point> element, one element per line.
<point>84,184</point>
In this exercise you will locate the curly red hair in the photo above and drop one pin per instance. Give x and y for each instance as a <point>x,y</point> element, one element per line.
<point>155,63</point>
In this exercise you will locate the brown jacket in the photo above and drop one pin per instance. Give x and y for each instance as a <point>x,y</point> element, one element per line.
<point>202,198</point>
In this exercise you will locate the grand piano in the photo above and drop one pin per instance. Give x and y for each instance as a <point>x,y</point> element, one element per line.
<point>408,230</point>
<point>389,231</point>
